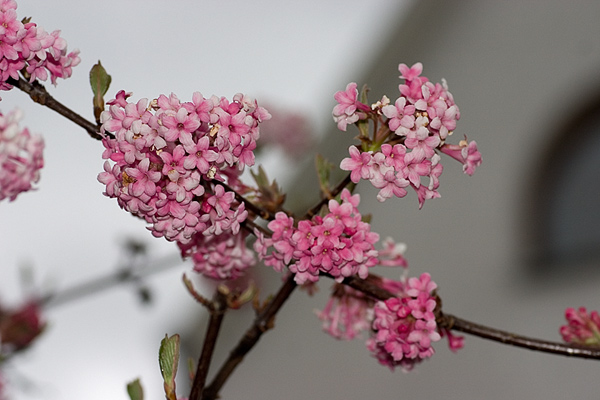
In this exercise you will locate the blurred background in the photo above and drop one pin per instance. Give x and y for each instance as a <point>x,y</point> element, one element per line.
<point>510,247</point>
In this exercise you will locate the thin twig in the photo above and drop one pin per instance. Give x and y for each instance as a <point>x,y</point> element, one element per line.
<point>571,350</point>
<point>109,281</point>
<point>38,94</point>
<point>263,322</point>
<point>217,313</point>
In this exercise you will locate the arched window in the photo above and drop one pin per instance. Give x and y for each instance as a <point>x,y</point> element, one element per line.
<point>565,207</point>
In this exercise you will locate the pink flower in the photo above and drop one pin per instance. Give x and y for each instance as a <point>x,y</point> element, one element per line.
<point>359,164</point>
<point>466,153</point>
<point>411,73</point>
<point>390,184</point>
<point>582,327</point>
<point>200,156</point>
<point>180,126</point>
<point>348,110</point>
<point>400,115</point>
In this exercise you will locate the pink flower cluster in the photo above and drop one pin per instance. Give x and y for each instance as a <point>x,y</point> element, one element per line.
<point>27,46</point>
<point>21,157</point>
<point>405,327</point>
<point>168,159</point>
<point>339,243</point>
<point>402,150</point>
<point>582,327</point>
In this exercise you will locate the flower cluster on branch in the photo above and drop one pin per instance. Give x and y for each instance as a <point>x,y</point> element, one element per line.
<point>401,151</point>
<point>166,157</point>
<point>28,49</point>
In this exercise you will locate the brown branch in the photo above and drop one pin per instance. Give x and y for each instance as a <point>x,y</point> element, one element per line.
<point>451,322</point>
<point>263,322</point>
<point>217,312</point>
<point>38,94</point>
<point>369,286</point>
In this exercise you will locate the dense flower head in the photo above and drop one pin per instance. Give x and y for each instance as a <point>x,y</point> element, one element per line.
<point>167,158</point>
<point>21,157</point>
<point>25,46</point>
<point>582,327</point>
<point>338,243</point>
<point>402,152</point>
<point>405,327</point>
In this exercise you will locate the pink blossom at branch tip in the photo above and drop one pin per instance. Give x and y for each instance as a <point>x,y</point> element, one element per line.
<point>465,152</point>
<point>409,134</point>
<point>29,47</point>
<point>404,327</point>
<point>582,327</point>
<point>21,157</point>
<point>349,109</point>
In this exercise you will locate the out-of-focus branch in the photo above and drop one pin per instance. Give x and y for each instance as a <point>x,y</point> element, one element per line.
<point>97,285</point>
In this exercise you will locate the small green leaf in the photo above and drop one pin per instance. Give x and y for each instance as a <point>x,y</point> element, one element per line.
<point>135,390</point>
<point>260,177</point>
<point>324,168</point>
<point>168,359</point>
<point>100,82</point>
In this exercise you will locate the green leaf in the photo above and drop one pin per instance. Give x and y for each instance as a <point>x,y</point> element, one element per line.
<point>100,82</point>
<point>135,390</point>
<point>168,359</point>
<point>324,168</point>
<point>260,177</point>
